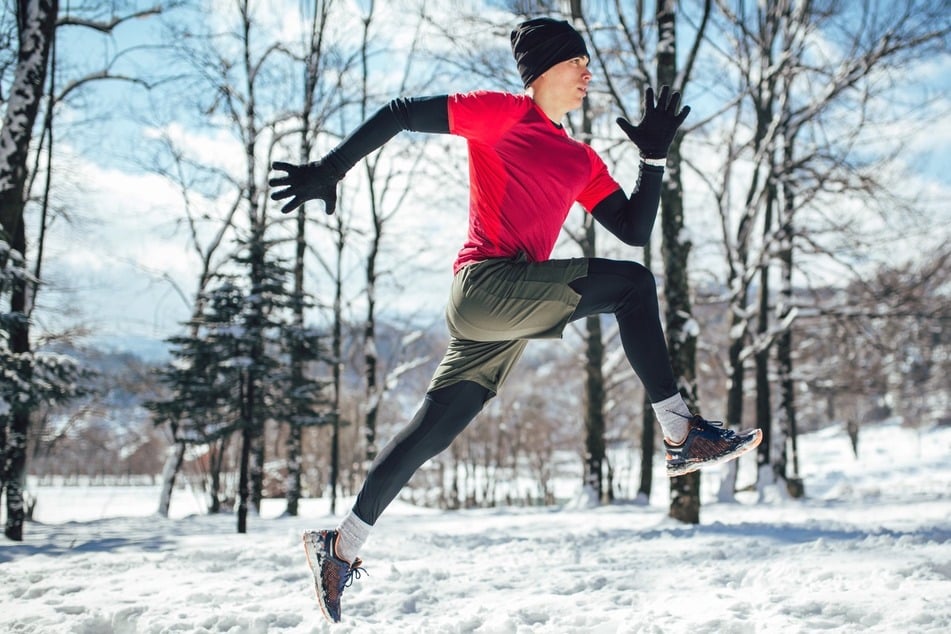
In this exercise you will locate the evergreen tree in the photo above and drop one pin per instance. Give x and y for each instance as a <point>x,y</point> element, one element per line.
<point>204,381</point>
<point>231,374</point>
<point>301,400</point>
<point>260,347</point>
<point>26,379</point>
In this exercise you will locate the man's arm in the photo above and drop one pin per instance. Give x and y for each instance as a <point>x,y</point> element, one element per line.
<point>417,114</point>
<point>632,219</point>
<point>318,180</point>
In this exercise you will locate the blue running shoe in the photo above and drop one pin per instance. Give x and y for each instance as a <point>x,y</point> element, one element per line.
<point>708,443</point>
<point>331,575</point>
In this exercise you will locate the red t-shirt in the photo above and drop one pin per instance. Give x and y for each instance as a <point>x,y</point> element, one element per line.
<point>524,174</point>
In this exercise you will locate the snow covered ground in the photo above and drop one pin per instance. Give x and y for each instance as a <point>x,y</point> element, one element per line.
<point>868,551</point>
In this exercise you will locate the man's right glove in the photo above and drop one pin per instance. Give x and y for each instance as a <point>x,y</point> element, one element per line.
<point>656,131</point>
<point>313,181</point>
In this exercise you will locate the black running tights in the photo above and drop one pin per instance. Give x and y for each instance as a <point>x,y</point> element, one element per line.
<point>626,289</point>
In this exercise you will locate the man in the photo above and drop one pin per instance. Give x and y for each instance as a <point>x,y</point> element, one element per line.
<point>525,174</point>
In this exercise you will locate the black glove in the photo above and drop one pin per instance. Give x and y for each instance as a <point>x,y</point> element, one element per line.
<point>654,134</point>
<point>307,182</point>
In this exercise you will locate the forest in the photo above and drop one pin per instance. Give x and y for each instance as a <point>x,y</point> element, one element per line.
<point>802,249</point>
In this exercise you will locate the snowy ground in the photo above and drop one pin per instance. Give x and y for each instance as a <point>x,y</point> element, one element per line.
<point>868,551</point>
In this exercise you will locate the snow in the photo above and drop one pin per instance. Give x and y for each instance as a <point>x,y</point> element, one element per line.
<point>866,551</point>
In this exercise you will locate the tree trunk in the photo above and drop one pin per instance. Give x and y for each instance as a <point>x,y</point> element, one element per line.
<point>36,25</point>
<point>257,256</point>
<point>734,395</point>
<point>255,322</point>
<point>337,354</point>
<point>594,423</point>
<point>682,341</point>
<point>256,468</point>
<point>243,480</point>
<point>173,463</point>
<point>762,97</point>
<point>15,479</point>
<point>763,347</point>
<point>647,451</point>
<point>244,462</point>
<point>295,458</point>
<point>373,393</point>
<point>594,409</point>
<point>292,494</point>
<point>218,450</point>
<point>295,433</point>
<point>784,348</point>
<point>14,466</point>
<point>648,421</point>
<point>298,379</point>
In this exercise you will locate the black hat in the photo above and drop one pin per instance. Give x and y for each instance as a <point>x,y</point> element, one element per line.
<point>541,43</point>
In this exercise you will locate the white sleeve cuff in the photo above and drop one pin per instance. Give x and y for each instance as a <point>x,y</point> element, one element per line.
<point>656,162</point>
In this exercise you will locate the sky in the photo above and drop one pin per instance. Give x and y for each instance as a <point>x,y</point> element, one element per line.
<point>867,550</point>
<point>120,264</point>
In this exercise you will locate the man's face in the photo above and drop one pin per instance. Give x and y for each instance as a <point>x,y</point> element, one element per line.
<point>566,82</point>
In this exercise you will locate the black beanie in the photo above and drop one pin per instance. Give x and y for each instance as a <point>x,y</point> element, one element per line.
<point>541,43</point>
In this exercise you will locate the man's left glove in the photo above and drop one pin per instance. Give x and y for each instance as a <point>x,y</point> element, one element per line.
<point>312,181</point>
<point>656,131</point>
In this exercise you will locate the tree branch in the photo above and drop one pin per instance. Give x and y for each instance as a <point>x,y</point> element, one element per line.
<point>107,27</point>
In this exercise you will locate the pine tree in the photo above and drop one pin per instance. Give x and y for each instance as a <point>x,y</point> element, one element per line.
<point>203,382</point>
<point>303,401</point>
<point>26,379</point>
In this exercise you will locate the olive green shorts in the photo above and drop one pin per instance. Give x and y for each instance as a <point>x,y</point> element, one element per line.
<point>495,307</point>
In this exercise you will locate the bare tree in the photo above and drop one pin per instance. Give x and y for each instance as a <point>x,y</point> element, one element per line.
<point>388,188</point>
<point>231,69</point>
<point>314,111</point>
<point>37,24</point>
<point>598,487</point>
<point>681,334</point>
<point>891,329</point>
<point>800,151</point>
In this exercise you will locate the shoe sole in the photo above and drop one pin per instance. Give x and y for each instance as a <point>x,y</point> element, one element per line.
<point>313,561</point>
<point>755,438</point>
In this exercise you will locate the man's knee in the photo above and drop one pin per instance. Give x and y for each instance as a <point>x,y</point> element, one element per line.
<point>447,412</point>
<point>640,278</point>
<point>642,287</point>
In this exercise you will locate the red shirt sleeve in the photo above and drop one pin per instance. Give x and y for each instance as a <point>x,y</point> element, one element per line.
<point>600,185</point>
<point>485,116</point>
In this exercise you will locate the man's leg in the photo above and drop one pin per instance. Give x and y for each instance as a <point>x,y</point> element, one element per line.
<point>627,289</point>
<point>445,412</point>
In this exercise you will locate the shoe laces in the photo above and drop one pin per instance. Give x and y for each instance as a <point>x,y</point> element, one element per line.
<point>717,427</point>
<point>713,425</point>
<point>355,571</point>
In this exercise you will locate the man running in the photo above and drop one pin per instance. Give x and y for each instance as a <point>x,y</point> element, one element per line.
<point>525,173</point>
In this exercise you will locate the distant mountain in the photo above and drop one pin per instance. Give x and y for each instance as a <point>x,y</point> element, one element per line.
<point>148,349</point>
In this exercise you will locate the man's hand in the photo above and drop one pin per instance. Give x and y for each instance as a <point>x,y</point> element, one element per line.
<point>305,182</point>
<point>656,131</point>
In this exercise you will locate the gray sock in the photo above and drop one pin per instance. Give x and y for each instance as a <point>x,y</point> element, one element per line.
<point>351,533</point>
<point>672,414</point>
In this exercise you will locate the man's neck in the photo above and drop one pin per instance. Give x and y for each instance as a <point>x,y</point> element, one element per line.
<point>555,114</point>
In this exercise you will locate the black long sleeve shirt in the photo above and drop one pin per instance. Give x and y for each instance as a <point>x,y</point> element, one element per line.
<point>629,218</point>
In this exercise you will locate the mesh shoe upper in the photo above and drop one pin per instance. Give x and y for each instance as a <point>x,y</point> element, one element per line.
<point>707,443</point>
<point>331,575</point>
